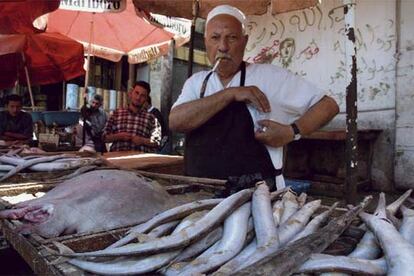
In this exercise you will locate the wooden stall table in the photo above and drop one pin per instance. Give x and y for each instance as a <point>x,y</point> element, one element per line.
<point>152,162</point>
<point>319,158</point>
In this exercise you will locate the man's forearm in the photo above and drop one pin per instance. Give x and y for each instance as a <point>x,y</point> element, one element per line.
<point>16,136</point>
<point>149,143</point>
<point>318,115</point>
<point>139,140</point>
<point>188,116</point>
<point>109,138</point>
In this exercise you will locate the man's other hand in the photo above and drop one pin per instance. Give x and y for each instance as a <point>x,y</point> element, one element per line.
<point>124,136</point>
<point>250,95</point>
<point>137,140</point>
<point>274,134</point>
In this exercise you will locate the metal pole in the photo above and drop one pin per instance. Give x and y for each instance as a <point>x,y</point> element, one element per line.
<point>166,92</point>
<point>85,94</point>
<point>351,148</point>
<point>191,50</point>
<point>29,86</point>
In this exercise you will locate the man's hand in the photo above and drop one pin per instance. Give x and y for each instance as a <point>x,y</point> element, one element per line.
<point>250,95</point>
<point>137,140</point>
<point>123,136</point>
<point>274,134</point>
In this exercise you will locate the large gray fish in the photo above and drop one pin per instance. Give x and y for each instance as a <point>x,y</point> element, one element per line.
<point>94,201</point>
<point>182,238</point>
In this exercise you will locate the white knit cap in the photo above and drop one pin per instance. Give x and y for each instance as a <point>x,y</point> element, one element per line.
<point>227,9</point>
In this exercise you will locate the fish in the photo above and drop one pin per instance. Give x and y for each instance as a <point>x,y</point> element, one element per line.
<point>315,223</point>
<point>358,262</point>
<point>94,201</point>
<point>267,239</point>
<point>264,224</point>
<point>180,239</point>
<point>318,263</point>
<point>399,254</point>
<point>407,225</point>
<point>158,231</point>
<point>132,265</point>
<point>28,163</point>
<point>297,221</point>
<point>277,212</point>
<point>290,206</point>
<point>199,246</point>
<point>368,247</point>
<point>169,215</point>
<point>234,236</point>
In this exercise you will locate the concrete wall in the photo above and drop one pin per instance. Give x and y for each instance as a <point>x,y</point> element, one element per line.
<point>311,43</point>
<point>404,144</point>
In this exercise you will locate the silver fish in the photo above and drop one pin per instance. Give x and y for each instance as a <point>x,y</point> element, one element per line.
<point>134,265</point>
<point>398,252</point>
<point>182,238</point>
<point>234,236</point>
<point>290,206</point>
<point>166,216</point>
<point>315,223</point>
<point>297,221</point>
<point>267,240</point>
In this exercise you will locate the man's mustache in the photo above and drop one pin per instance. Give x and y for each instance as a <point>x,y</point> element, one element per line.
<point>220,55</point>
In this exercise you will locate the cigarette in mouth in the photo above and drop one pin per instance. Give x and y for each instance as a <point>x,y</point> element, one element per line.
<point>216,64</point>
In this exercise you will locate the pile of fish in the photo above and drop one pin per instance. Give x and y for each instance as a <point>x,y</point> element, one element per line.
<point>93,201</point>
<point>225,236</point>
<point>11,163</point>
<point>219,236</point>
<point>387,248</point>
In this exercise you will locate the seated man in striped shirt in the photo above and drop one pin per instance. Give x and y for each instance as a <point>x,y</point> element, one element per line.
<point>133,128</point>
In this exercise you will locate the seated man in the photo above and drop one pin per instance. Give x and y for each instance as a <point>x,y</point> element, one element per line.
<point>133,128</point>
<point>155,111</point>
<point>15,125</point>
<point>95,121</point>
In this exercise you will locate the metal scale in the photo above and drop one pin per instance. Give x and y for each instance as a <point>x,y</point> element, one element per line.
<point>56,130</point>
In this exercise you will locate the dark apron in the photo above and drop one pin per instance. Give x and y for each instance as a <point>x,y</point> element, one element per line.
<point>225,147</point>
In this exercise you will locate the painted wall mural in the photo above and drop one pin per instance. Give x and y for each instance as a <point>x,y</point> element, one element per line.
<point>311,43</point>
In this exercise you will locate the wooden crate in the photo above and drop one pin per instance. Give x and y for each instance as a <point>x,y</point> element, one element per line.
<point>31,247</point>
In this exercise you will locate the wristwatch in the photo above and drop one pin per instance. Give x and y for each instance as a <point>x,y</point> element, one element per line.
<point>296,132</point>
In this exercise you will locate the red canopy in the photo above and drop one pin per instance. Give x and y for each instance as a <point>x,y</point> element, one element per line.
<point>113,34</point>
<point>18,16</point>
<point>50,57</point>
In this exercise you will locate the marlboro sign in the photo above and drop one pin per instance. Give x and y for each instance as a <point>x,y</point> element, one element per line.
<point>98,6</point>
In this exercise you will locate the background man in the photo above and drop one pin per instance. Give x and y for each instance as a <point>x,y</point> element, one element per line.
<point>15,124</point>
<point>133,128</point>
<point>95,119</point>
<point>154,111</point>
<point>220,110</point>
